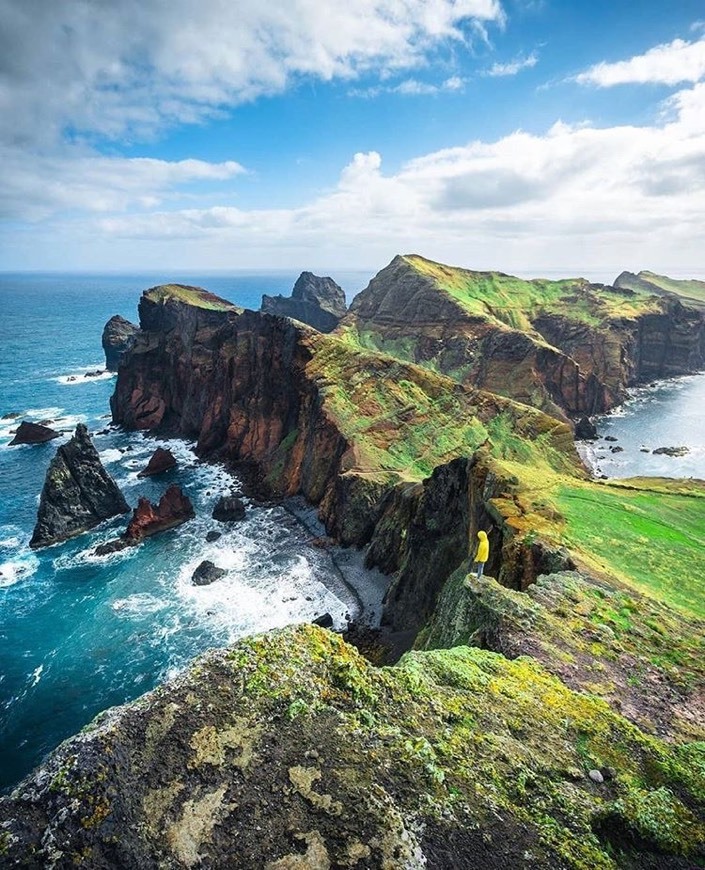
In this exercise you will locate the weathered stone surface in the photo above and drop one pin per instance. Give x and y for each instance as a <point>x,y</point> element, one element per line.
<point>585,430</point>
<point>32,433</point>
<point>160,461</point>
<point>207,573</point>
<point>317,301</point>
<point>118,337</point>
<point>78,493</point>
<point>174,508</point>
<point>291,751</point>
<point>229,509</point>
<point>213,536</point>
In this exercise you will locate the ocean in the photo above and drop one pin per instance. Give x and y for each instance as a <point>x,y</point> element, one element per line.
<point>80,633</point>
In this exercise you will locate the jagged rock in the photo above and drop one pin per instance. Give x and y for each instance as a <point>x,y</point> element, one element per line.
<point>207,573</point>
<point>325,620</point>
<point>585,430</point>
<point>320,302</point>
<point>32,433</point>
<point>113,546</point>
<point>672,451</point>
<point>174,508</point>
<point>160,461</point>
<point>94,374</point>
<point>118,337</point>
<point>78,493</point>
<point>213,536</point>
<point>229,509</point>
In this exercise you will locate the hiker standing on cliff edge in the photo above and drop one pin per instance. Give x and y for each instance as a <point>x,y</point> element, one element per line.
<point>482,553</point>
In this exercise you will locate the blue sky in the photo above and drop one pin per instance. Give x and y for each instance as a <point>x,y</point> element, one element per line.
<point>524,135</point>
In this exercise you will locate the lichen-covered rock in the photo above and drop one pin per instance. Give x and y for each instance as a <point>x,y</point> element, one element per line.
<point>320,302</point>
<point>32,433</point>
<point>78,493</point>
<point>118,337</point>
<point>291,751</point>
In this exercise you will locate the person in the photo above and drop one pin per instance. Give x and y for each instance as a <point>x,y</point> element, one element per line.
<point>482,553</point>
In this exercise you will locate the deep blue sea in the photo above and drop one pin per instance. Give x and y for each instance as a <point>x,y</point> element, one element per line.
<point>80,633</point>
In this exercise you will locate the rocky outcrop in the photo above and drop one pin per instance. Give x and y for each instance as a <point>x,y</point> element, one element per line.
<point>118,337</point>
<point>291,751</point>
<point>32,433</point>
<point>585,430</point>
<point>160,461</point>
<point>229,509</point>
<point>78,493</point>
<point>207,573</point>
<point>174,508</point>
<point>317,301</point>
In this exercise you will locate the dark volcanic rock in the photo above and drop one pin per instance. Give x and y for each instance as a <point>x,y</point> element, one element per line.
<point>207,573</point>
<point>325,620</point>
<point>162,460</point>
<point>78,493</point>
<point>213,536</point>
<point>229,509</point>
<point>174,508</point>
<point>320,302</point>
<point>118,337</point>
<point>585,430</point>
<point>32,433</point>
<point>672,451</point>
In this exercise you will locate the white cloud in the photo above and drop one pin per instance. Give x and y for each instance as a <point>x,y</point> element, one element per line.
<point>514,66</point>
<point>411,88</point>
<point>132,65</point>
<point>669,64</point>
<point>577,195</point>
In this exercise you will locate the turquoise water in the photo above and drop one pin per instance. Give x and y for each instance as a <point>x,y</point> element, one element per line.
<point>80,633</point>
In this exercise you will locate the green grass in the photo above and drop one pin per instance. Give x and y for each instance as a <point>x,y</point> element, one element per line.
<point>196,296</point>
<point>690,289</point>
<point>655,540</point>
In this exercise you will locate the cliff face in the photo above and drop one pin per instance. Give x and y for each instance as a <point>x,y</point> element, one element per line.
<point>319,302</point>
<point>289,750</point>
<point>118,336</point>
<point>564,346</point>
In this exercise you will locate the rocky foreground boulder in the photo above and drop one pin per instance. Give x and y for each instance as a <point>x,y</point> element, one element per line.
<point>318,301</point>
<point>33,433</point>
<point>160,461</point>
<point>290,750</point>
<point>118,337</point>
<point>78,493</point>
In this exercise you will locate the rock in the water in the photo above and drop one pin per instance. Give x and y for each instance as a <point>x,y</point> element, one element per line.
<point>118,337</point>
<point>611,438</point>
<point>585,430</point>
<point>672,451</point>
<point>113,546</point>
<point>229,509</point>
<point>32,433</point>
<point>207,573</point>
<point>320,302</point>
<point>94,374</point>
<point>78,493</point>
<point>162,460</point>
<point>174,508</point>
<point>213,536</point>
<point>325,621</point>
<point>617,449</point>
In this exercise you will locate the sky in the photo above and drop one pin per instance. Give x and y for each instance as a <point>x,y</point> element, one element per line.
<point>528,136</point>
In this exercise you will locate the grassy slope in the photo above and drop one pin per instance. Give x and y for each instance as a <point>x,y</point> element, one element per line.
<point>195,296</point>
<point>515,302</point>
<point>691,289</point>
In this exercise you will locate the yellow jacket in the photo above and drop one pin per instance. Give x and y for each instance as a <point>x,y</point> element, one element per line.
<point>483,548</point>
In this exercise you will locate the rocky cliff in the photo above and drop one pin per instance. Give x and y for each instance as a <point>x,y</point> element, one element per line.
<point>317,301</point>
<point>118,337</point>
<point>78,493</point>
<point>568,347</point>
<point>291,751</point>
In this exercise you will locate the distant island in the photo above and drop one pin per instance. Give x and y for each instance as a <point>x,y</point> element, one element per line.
<point>547,715</point>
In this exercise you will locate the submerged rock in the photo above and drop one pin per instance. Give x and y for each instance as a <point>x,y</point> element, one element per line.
<point>174,508</point>
<point>78,493</point>
<point>161,460</point>
<point>118,337</point>
<point>320,302</point>
<point>229,509</point>
<point>32,433</point>
<point>207,573</point>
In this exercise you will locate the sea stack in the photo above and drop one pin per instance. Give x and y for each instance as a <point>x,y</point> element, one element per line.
<point>32,433</point>
<point>160,461</point>
<point>78,493</point>
<point>174,508</point>
<point>318,301</point>
<point>118,337</point>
